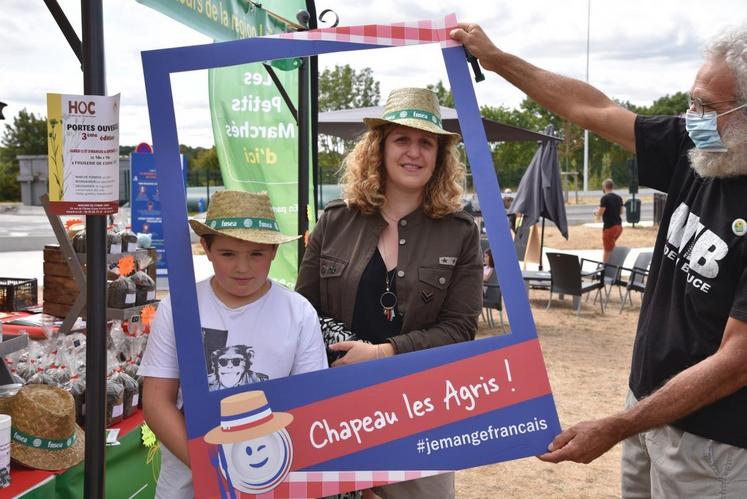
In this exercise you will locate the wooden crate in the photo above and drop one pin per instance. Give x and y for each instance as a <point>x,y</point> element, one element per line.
<point>60,289</point>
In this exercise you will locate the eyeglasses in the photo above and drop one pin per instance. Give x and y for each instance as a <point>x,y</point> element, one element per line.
<point>697,104</point>
<point>236,361</point>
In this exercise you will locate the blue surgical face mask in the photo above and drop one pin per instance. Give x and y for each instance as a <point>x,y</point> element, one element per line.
<point>703,130</point>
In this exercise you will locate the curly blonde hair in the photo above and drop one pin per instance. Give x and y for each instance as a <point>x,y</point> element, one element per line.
<point>364,177</point>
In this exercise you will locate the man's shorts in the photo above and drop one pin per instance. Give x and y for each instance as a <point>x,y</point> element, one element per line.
<point>609,236</point>
<point>667,462</point>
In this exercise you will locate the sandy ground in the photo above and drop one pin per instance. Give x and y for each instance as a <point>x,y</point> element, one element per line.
<point>583,237</point>
<point>587,358</point>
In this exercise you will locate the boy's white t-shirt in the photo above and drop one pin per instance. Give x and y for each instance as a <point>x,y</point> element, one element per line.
<point>273,337</point>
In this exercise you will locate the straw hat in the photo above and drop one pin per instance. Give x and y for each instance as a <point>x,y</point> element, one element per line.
<point>246,416</point>
<point>44,434</point>
<point>414,108</point>
<point>241,215</point>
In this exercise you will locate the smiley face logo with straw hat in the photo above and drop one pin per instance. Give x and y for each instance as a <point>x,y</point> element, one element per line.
<point>255,451</point>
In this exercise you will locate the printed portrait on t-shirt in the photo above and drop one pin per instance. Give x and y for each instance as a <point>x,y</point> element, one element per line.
<point>228,366</point>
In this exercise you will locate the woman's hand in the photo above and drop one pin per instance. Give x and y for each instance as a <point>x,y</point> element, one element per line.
<point>358,351</point>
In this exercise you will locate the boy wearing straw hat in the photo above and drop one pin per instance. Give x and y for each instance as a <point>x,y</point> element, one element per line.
<point>253,329</point>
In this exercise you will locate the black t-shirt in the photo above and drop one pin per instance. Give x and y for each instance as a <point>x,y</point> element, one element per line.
<point>698,275</point>
<point>369,321</point>
<point>612,204</point>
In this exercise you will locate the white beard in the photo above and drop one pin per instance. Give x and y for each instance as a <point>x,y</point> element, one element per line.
<point>731,163</point>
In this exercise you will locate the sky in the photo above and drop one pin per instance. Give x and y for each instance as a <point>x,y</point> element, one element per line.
<point>639,50</point>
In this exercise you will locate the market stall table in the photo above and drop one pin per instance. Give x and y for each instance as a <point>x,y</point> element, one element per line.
<point>536,279</point>
<point>129,472</point>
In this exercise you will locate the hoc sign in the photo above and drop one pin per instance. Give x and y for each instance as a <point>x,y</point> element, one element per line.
<point>83,149</point>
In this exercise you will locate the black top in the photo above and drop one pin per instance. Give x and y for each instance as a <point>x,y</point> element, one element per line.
<point>612,204</point>
<point>698,275</point>
<point>369,321</point>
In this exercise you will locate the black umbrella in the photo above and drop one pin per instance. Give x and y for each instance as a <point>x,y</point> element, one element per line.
<point>540,193</point>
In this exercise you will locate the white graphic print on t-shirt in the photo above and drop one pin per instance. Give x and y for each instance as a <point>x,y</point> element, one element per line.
<point>228,366</point>
<point>689,239</point>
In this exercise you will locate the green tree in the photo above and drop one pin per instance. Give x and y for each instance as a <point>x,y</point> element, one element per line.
<point>445,98</point>
<point>207,164</point>
<point>605,158</point>
<point>510,158</point>
<point>27,135</point>
<point>669,105</point>
<point>342,87</point>
<point>197,171</point>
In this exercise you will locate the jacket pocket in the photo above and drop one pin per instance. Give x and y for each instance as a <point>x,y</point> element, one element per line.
<point>433,283</point>
<point>330,270</point>
<point>437,277</point>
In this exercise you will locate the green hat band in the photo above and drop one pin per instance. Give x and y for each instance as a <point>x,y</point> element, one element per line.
<point>242,223</point>
<point>42,443</point>
<point>417,114</point>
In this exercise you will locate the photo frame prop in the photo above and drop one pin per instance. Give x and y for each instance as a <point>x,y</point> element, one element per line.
<point>399,418</point>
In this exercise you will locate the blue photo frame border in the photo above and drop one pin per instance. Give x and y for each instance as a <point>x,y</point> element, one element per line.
<point>158,65</point>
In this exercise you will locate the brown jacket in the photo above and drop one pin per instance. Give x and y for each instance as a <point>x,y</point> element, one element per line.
<point>439,272</point>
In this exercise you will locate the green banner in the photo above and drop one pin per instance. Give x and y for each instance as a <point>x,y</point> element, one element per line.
<point>256,135</point>
<point>222,20</point>
<point>257,141</point>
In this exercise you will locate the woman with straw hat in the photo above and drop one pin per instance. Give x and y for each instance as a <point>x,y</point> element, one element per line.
<point>253,329</point>
<point>398,262</point>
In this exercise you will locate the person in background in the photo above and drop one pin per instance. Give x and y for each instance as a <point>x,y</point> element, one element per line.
<point>488,266</point>
<point>398,262</point>
<point>610,210</point>
<point>682,429</point>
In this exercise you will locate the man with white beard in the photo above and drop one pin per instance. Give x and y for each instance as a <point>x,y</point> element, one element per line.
<point>684,427</point>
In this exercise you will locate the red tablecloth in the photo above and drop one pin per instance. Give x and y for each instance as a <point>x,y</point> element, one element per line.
<point>15,323</point>
<point>23,480</point>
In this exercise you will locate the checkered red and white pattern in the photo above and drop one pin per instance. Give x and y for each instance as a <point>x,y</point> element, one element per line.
<point>300,484</point>
<point>397,34</point>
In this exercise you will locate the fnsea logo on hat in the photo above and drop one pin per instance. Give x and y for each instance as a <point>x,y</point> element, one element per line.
<point>43,433</point>
<point>241,215</point>
<point>414,108</point>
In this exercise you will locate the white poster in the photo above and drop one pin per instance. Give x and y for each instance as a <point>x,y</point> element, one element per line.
<point>83,148</point>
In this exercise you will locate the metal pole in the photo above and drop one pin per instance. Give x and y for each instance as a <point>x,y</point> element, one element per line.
<point>65,27</point>
<point>542,244</point>
<point>94,83</point>
<point>314,107</point>
<point>303,154</point>
<point>586,132</point>
<point>315,130</point>
<point>207,199</point>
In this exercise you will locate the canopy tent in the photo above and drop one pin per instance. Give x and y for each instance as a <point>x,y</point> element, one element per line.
<point>348,124</point>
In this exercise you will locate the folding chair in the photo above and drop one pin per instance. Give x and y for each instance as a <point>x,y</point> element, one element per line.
<point>567,279</point>
<point>637,278</point>
<point>493,300</point>
<point>612,271</point>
